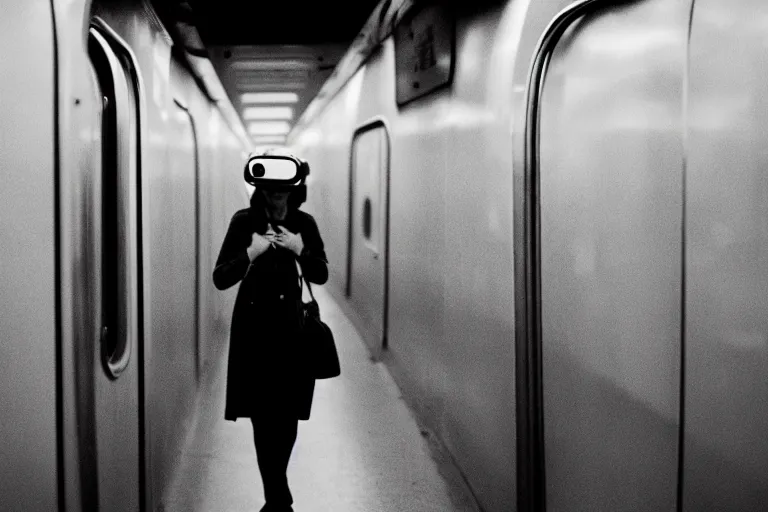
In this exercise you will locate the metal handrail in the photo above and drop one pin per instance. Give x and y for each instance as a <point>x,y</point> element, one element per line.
<point>531,467</point>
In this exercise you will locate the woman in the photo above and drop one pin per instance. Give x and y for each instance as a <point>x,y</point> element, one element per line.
<point>267,380</point>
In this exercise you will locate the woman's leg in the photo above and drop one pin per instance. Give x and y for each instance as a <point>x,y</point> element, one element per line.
<point>274,437</point>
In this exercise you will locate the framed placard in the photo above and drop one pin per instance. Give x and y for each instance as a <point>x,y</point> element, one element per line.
<point>424,51</point>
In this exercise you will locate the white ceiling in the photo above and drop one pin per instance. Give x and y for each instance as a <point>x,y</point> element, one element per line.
<point>299,70</point>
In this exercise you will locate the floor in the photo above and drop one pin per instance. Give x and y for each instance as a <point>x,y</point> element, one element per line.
<point>360,451</point>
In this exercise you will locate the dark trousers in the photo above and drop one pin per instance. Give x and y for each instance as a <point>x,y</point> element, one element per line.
<point>274,438</point>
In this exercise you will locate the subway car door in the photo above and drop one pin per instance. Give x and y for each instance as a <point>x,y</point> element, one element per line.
<point>726,331</point>
<point>609,168</point>
<point>116,347</point>
<point>368,229</point>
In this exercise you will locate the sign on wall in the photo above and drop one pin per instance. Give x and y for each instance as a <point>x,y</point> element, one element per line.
<point>424,52</point>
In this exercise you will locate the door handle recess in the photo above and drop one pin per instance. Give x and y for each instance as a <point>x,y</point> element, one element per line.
<point>116,230</point>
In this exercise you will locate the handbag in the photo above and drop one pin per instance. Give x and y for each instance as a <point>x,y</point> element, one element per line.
<point>318,343</point>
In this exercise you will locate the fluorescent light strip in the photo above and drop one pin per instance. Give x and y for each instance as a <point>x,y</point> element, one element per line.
<point>269,97</point>
<point>268,139</point>
<point>273,64</point>
<point>272,85</point>
<point>269,128</point>
<point>252,113</point>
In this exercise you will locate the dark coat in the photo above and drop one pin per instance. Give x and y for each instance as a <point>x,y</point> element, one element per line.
<point>266,373</point>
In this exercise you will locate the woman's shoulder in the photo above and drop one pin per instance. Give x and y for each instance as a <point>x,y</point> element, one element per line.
<point>304,216</point>
<point>305,219</point>
<point>241,218</point>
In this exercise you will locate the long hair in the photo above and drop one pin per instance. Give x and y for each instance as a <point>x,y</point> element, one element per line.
<point>297,197</point>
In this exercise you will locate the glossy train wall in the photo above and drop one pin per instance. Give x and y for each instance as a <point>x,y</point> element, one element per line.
<point>84,135</point>
<point>559,255</point>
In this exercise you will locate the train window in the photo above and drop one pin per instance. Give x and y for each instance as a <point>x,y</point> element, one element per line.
<point>367,218</point>
<point>115,76</point>
<point>368,171</point>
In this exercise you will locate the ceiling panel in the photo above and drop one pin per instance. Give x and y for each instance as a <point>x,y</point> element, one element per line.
<point>239,22</point>
<point>269,69</point>
<point>270,47</point>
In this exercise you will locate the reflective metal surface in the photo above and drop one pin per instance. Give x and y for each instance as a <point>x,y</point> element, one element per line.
<point>726,361</point>
<point>28,309</point>
<point>652,232</point>
<point>451,332</point>
<point>171,379</point>
<point>611,224</point>
<point>115,183</point>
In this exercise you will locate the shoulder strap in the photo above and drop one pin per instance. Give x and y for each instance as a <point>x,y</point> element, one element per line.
<point>302,281</point>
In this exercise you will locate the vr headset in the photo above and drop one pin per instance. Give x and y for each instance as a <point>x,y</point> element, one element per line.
<point>280,171</point>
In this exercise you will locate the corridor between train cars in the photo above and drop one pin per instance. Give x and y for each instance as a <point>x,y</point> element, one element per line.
<point>362,450</point>
<point>543,222</point>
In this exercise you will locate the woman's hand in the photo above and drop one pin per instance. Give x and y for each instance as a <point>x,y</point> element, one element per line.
<point>291,241</point>
<point>270,234</point>
<point>259,244</point>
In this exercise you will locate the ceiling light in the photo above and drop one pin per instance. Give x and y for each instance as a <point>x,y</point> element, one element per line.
<point>269,97</point>
<point>272,64</point>
<point>269,139</point>
<point>262,84</point>
<point>269,128</point>
<point>251,113</point>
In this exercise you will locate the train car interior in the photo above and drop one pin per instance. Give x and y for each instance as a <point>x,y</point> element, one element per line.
<point>536,230</point>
